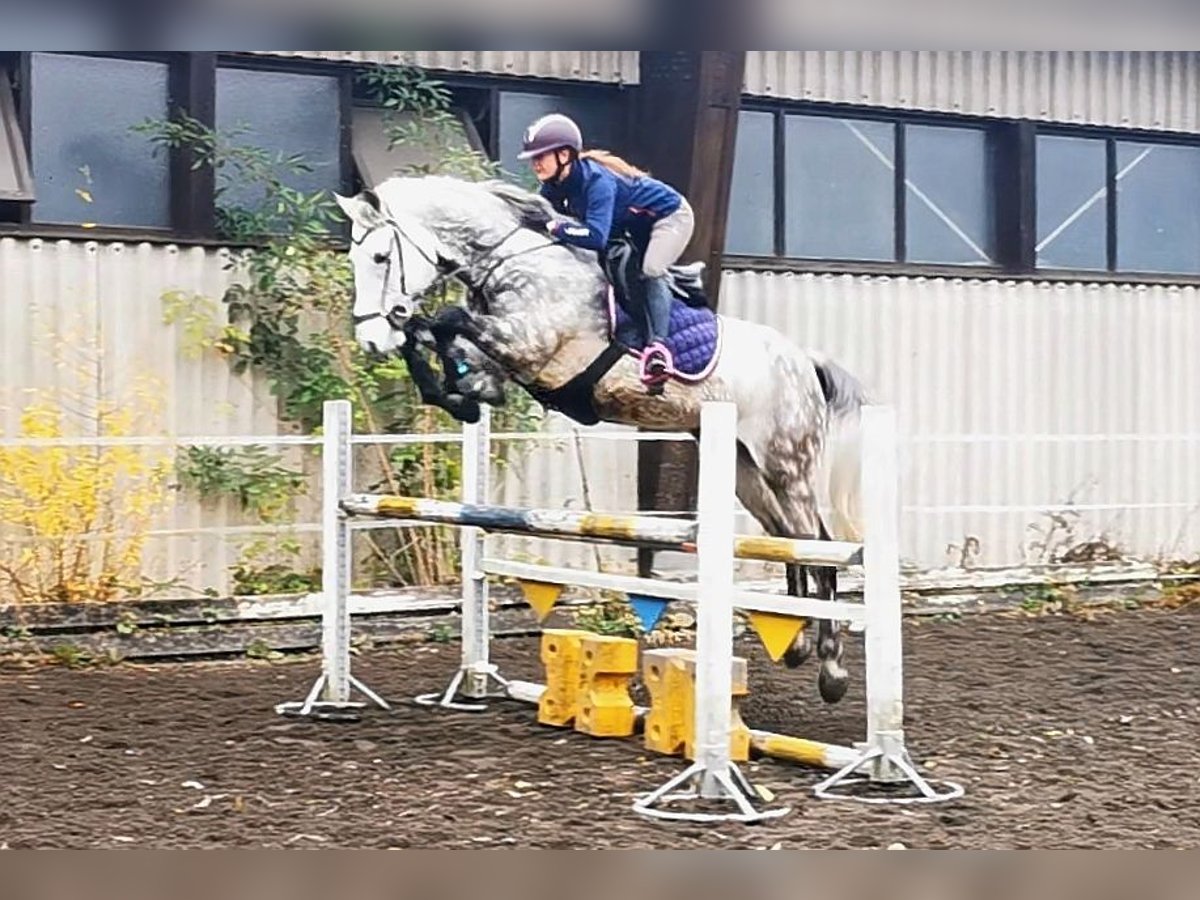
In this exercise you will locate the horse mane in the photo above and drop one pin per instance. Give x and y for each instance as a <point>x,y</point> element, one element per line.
<point>533,210</point>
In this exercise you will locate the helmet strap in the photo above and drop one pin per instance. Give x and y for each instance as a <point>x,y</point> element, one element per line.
<point>559,165</point>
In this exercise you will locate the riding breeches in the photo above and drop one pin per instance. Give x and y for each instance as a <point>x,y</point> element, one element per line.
<point>668,238</point>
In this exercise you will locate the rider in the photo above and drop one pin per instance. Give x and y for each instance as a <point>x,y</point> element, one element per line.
<point>609,196</point>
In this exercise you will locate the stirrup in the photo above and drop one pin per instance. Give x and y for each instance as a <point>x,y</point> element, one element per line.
<point>656,365</point>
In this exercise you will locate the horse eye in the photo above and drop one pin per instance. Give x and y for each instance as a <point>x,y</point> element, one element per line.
<point>381,258</point>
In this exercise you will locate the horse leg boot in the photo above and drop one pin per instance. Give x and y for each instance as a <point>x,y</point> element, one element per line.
<point>833,679</point>
<point>464,409</point>
<point>797,586</point>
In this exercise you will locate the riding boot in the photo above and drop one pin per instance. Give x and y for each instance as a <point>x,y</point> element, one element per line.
<point>658,309</point>
<point>656,363</point>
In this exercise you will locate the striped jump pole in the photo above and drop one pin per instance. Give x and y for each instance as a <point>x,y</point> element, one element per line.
<point>659,533</point>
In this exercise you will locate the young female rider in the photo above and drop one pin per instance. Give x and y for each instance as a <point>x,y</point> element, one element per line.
<point>610,196</point>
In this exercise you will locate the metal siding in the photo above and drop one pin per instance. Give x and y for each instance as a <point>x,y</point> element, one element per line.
<point>618,66</point>
<point>1151,90</point>
<point>1015,396</point>
<point>112,293</point>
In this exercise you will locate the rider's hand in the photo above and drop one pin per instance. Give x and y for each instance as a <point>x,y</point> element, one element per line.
<point>551,225</point>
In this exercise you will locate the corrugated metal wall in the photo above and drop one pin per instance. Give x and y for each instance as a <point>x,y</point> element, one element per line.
<point>620,66</point>
<point>1015,397</point>
<point>106,298</point>
<point>1156,90</point>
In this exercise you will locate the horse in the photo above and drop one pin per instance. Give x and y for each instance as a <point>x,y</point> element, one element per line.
<point>538,314</point>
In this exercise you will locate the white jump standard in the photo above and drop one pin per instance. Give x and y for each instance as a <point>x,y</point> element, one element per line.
<point>881,760</point>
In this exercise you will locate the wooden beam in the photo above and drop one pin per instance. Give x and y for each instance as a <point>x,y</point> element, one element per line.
<point>685,128</point>
<point>192,89</point>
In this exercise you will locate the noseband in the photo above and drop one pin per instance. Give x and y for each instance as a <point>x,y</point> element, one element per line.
<point>394,316</point>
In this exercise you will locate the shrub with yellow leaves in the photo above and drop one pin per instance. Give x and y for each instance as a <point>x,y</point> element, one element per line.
<point>74,517</point>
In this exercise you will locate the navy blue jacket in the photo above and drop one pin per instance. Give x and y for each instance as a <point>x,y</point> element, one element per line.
<point>606,203</point>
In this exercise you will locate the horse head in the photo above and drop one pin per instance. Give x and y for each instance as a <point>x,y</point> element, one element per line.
<point>395,260</point>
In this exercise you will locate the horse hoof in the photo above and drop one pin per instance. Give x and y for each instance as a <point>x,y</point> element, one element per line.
<point>797,654</point>
<point>832,686</point>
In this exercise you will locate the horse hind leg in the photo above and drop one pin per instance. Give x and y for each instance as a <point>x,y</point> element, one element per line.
<point>763,504</point>
<point>833,679</point>
<point>797,586</point>
<point>805,523</point>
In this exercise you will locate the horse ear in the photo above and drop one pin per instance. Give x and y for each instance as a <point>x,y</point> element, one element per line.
<point>360,210</point>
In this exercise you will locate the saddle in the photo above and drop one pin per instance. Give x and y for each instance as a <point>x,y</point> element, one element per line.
<point>622,262</point>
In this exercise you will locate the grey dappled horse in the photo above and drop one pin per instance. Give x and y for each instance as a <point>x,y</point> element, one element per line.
<point>537,315</point>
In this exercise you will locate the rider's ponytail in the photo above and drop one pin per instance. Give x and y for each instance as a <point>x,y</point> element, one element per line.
<point>614,163</point>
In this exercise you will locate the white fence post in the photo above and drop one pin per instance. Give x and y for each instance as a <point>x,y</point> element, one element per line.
<point>881,591</point>
<point>883,758</point>
<point>329,696</point>
<point>476,672</point>
<point>337,481</point>
<point>714,598</point>
<point>712,774</point>
<point>476,634</point>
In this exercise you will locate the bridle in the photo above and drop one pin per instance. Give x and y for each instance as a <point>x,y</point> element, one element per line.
<point>395,316</point>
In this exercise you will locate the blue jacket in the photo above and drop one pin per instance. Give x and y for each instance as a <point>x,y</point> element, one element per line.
<point>606,203</point>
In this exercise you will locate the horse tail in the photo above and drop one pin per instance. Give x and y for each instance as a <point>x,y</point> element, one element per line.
<point>842,456</point>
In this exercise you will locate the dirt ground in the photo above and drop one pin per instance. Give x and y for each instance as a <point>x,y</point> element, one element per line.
<point>1065,733</point>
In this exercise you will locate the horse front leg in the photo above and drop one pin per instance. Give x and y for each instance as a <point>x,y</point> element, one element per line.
<point>500,349</point>
<point>462,407</point>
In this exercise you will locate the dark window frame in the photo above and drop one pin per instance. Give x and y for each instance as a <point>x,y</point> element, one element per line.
<point>192,89</point>
<point>1012,145</point>
<point>1110,138</point>
<point>1001,137</point>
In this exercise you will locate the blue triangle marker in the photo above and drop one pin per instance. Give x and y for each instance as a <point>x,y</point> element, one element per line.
<point>648,609</point>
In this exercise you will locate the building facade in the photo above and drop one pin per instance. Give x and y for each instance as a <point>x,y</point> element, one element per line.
<point>1004,245</point>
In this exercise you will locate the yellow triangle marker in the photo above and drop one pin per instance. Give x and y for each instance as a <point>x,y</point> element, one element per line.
<point>541,596</point>
<point>776,631</point>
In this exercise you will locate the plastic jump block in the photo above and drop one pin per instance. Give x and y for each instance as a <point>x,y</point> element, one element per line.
<point>670,677</point>
<point>606,667</point>
<point>560,654</point>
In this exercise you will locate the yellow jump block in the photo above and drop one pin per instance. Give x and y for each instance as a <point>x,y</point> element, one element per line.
<point>670,677</point>
<point>587,682</point>
<point>605,706</point>
<point>560,653</point>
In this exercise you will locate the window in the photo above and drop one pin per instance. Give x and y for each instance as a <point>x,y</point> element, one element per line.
<point>285,113</point>
<point>1071,203</point>
<point>948,196</point>
<point>863,189</point>
<point>1107,204</point>
<point>596,114</point>
<point>751,227</point>
<point>88,164</point>
<point>1158,208</point>
<point>16,181</point>
<point>377,162</point>
<point>839,200</point>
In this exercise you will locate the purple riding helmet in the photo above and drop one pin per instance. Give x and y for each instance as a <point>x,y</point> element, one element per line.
<point>551,132</point>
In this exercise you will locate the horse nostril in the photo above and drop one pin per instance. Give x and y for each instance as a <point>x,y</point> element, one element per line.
<point>373,348</point>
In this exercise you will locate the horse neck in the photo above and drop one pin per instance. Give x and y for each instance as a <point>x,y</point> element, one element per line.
<point>514,270</point>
